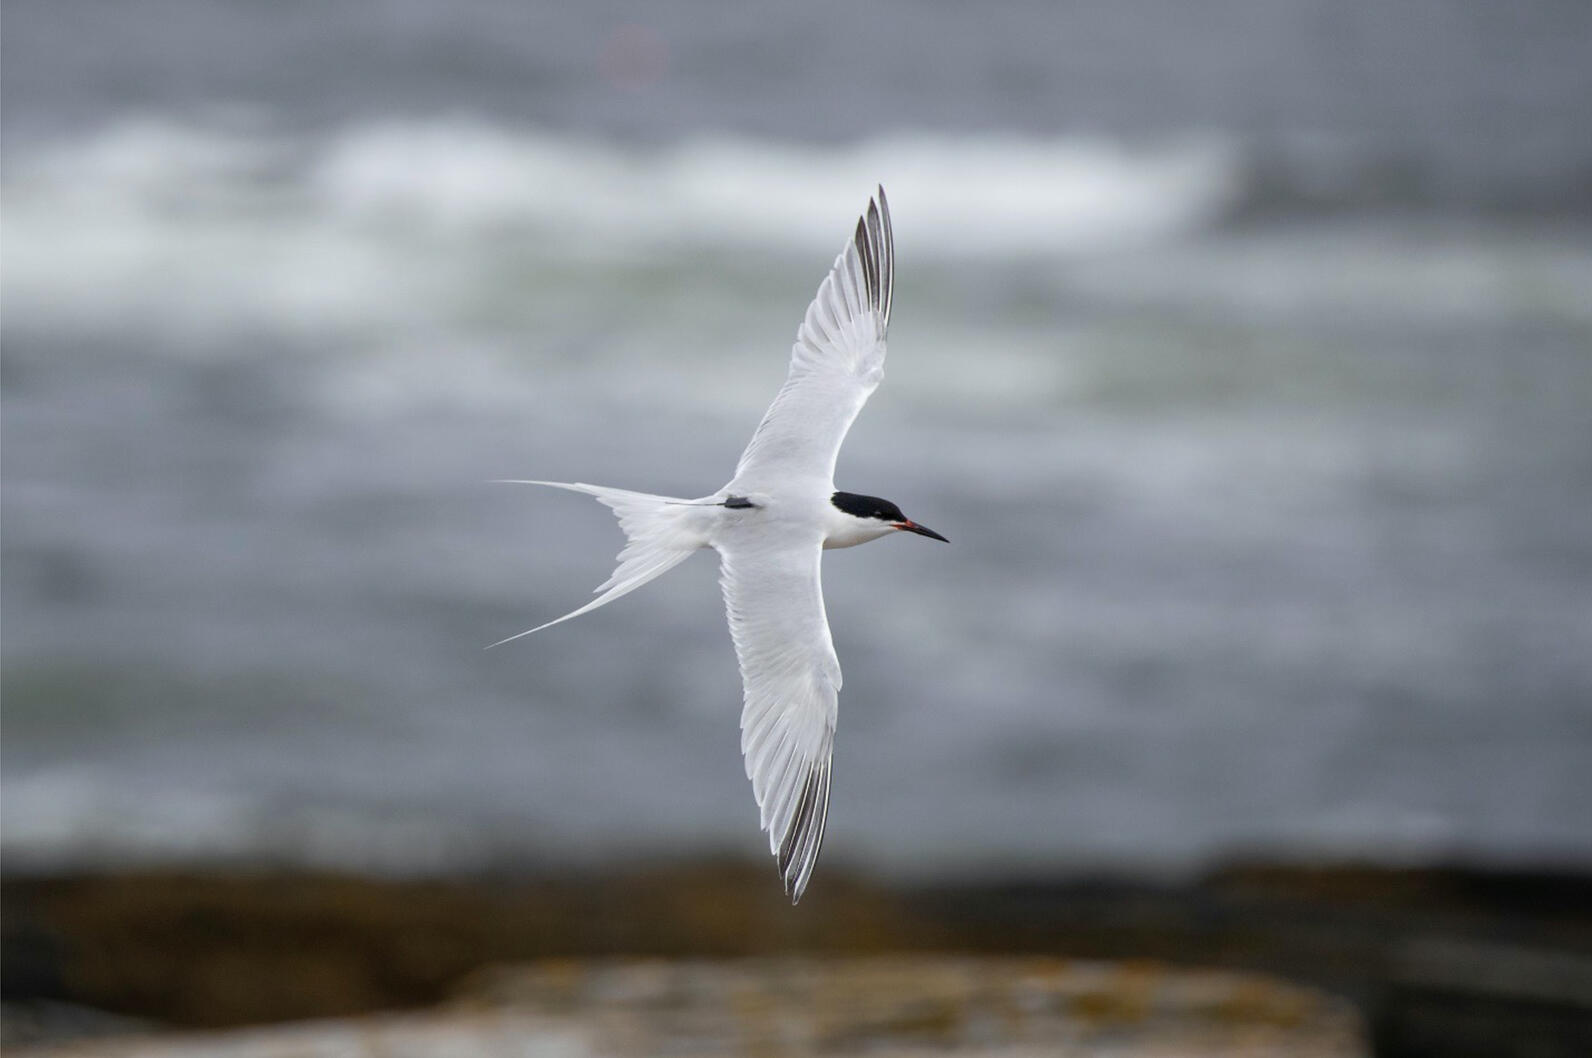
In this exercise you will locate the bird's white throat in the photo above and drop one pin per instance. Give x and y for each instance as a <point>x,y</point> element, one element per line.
<point>847,530</point>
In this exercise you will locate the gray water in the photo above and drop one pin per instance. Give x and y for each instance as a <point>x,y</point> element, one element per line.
<point>1243,352</point>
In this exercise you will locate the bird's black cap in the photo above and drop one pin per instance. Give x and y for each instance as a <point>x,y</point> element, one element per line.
<point>859,506</point>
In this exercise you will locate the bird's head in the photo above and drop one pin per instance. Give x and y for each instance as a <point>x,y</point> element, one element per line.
<point>864,518</point>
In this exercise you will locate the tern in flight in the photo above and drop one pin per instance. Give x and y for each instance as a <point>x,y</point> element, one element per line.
<point>770,525</point>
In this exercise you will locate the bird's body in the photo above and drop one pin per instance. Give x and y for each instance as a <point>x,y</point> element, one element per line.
<point>770,525</point>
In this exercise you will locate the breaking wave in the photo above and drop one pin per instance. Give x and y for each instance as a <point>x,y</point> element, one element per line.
<point>197,226</point>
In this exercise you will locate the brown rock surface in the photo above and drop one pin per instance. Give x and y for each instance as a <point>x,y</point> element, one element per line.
<point>1454,962</point>
<point>877,1006</point>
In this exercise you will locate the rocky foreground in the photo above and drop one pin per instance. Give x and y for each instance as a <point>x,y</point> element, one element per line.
<point>875,1006</point>
<point>710,959</point>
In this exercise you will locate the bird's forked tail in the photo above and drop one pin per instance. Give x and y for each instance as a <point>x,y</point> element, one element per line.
<point>661,532</point>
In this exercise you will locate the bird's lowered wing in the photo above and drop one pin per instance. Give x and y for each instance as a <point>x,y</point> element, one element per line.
<point>791,677</point>
<point>837,361</point>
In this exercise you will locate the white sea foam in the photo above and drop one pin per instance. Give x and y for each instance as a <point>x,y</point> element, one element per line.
<point>193,230</point>
<point>78,817</point>
<point>1000,195</point>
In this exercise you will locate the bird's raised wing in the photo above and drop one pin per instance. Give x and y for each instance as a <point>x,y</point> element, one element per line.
<point>837,361</point>
<point>791,677</point>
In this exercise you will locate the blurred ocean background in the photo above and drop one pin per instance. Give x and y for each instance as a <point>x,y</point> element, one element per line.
<point>1242,349</point>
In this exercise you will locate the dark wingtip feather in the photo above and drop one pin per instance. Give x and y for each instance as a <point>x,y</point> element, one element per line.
<point>864,243</point>
<point>804,836</point>
<point>887,256</point>
<point>875,246</point>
